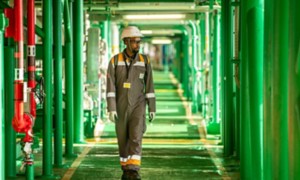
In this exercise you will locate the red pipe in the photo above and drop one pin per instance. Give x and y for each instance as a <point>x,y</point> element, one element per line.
<point>21,122</point>
<point>31,54</point>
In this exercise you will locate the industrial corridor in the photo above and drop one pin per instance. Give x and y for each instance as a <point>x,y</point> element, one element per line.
<point>172,147</point>
<point>150,89</point>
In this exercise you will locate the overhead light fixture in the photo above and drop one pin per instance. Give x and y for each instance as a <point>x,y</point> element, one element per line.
<point>154,16</point>
<point>146,31</point>
<point>161,41</point>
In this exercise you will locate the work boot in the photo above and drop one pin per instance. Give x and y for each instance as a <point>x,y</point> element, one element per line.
<point>134,175</point>
<point>125,175</point>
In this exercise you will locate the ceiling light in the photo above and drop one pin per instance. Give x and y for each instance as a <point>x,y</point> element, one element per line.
<point>161,41</point>
<point>146,32</point>
<point>154,16</point>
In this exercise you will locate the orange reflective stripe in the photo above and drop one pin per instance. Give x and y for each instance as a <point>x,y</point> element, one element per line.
<point>141,58</point>
<point>134,162</point>
<point>120,57</point>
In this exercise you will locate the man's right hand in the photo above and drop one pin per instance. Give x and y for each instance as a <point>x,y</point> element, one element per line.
<point>113,116</point>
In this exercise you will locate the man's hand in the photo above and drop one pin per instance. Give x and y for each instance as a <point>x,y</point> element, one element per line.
<point>151,116</point>
<point>113,116</point>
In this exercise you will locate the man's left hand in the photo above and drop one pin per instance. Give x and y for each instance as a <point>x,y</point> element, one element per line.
<point>151,116</point>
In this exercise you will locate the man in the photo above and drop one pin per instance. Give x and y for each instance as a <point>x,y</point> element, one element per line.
<point>129,88</point>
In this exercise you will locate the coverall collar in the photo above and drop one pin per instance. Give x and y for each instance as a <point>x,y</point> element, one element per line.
<point>133,59</point>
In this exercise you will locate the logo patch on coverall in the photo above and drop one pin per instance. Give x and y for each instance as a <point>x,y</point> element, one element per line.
<point>141,75</point>
<point>127,85</point>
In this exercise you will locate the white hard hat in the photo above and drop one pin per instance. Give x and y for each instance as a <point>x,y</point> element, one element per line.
<point>131,31</point>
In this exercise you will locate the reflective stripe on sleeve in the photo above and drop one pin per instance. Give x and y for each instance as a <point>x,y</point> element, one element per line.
<point>111,94</point>
<point>139,64</point>
<point>150,95</point>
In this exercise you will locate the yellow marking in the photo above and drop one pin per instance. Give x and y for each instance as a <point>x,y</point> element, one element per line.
<point>76,163</point>
<point>127,85</point>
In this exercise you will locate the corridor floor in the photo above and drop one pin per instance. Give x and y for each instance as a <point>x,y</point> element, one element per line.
<point>173,147</point>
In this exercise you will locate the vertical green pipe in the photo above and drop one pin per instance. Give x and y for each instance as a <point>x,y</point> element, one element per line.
<point>203,58</point>
<point>254,56</point>
<point>10,135</point>
<point>78,71</point>
<point>216,68</point>
<point>57,43</point>
<point>279,54</point>
<point>176,63</point>
<point>2,144</point>
<point>228,124</point>
<point>268,67</point>
<point>47,72</point>
<point>294,89</point>
<point>245,140</point>
<point>109,34</point>
<point>194,67</point>
<point>185,65</point>
<point>280,112</point>
<point>69,81</point>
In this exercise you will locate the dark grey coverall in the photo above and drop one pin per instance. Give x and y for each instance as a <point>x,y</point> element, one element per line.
<point>129,88</point>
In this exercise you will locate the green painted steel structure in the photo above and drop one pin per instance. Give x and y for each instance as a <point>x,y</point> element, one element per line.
<point>281,88</point>
<point>10,134</point>
<point>252,89</point>
<point>69,135</point>
<point>194,67</point>
<point>216,68</point>
<point>227,108</point>
<point>3,24</point>
<point>185,62</point>
<point>294,90</point>
<point>47,72</point>
<point>78,70</point>
<point>57,57</point>
<point>202,70</point>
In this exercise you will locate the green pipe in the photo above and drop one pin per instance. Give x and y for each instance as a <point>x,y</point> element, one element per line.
<point>216,69</point>
<point>175,64</point>
<point>203,58</point>
<point>185,62</point>
<point>3,23</point>
<point>255,58</point>
<point>69,81</point>
<point>245,143</point>
<point>57,43</point>
<point>280,112</point>
<point>78,71</point>
<point>10,135</point>
<point>294,77</point>
<point>194,67</point>
<point>47,72</point>
<point>109,34</point>
<point>228,123</point>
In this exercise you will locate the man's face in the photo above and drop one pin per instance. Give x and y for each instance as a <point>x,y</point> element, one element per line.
<point>134,44</point>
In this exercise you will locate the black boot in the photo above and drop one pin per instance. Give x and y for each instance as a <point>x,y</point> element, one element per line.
<point>134,175</point>
<point>125,175</point>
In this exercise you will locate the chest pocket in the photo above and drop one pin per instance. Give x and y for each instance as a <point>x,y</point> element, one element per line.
<point>140,70</point>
